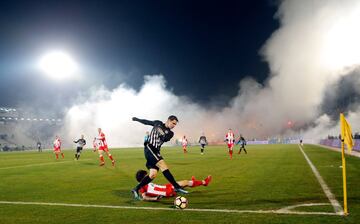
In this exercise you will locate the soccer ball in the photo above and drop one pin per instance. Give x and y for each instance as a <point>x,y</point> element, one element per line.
<point>180,202</point>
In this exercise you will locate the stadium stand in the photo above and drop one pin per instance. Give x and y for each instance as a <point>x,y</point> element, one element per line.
<point>19,130</point>
<point>334,141</point>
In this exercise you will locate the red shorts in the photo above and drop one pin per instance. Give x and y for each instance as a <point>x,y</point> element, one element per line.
<point>230,145</point>
<point>170,191</point>
<point>56,149</point>
<point>104,148</point>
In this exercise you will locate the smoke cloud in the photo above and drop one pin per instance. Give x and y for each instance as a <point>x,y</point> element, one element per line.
<point>316,47</point>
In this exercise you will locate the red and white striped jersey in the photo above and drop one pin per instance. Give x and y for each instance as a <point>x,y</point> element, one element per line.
<point>184,142</point>
<point>102,140</point>
<point>230,138</point>
<point>57,143</point>
<point>154,190</point>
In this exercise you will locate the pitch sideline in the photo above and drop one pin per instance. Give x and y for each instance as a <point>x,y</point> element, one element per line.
<point>335,203</point>
<point>284,211</point>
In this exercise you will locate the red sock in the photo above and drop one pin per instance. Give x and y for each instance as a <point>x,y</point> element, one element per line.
<point>195,182</point>
<point>110,156</point>
<point>62,154</point>
<point>230,152</point>
<point>102,159</point>
<point>57,156</point>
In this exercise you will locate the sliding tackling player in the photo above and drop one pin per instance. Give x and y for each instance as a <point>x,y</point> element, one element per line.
<point>153,192</point>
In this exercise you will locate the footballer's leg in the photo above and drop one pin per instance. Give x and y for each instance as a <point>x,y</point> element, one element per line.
<point>146,180</point>
<point>151,161</point>
<point>195,183</point>
<point>110,156</point>
<point>229,148</point>
<point>167,174</point>
<point>101,157</point>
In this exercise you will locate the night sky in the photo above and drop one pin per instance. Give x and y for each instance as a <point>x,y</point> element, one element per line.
<point>202,48</point>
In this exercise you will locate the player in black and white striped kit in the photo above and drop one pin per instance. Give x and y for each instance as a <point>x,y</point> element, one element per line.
<point>81,142</point>
<point>160,133</point>
<point>203,142</point>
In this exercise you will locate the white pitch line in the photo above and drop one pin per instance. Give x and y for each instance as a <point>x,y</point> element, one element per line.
<point>335,203</point>
<point>287,212</point>
<point>40,164</point>
<point>288,208</point>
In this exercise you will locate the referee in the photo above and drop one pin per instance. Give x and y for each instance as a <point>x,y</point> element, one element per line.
<point>80,144</point>
<point>160,133</point>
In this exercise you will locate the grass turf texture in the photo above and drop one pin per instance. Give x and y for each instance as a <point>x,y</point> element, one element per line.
<point>269,177</point>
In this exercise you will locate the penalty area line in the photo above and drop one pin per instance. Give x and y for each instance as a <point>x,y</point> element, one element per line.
<point>280,211</point>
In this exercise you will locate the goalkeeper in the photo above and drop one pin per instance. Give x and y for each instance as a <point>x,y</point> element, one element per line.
<point>160,133</point>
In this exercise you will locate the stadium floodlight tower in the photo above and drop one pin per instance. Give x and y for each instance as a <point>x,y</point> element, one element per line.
<point>58,65</point>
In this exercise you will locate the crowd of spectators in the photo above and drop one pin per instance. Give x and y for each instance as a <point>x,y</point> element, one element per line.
<point>356,135</point>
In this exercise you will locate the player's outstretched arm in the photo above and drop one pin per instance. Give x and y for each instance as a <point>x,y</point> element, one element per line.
<point>144,121</point>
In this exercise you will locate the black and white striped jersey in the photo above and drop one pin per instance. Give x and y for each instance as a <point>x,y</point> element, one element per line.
<point>158,135</point>
<point>203,140</point>
<point>80,142</point>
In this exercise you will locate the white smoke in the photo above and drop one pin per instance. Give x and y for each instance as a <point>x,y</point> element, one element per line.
<point>317,43</point>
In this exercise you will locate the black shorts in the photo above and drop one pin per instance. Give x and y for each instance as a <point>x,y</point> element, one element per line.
<point>78,149</point>
<point>152,157</point>
<point>202,145</point>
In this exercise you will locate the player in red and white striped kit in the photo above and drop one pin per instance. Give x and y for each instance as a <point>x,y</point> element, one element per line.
<point>184,143</point>
<point>153,192</point>
<point>230,140</point>
<point>102,147</point>
<point>57,147</point>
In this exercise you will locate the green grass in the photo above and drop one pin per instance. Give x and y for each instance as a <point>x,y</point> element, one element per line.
<point>269,177</point>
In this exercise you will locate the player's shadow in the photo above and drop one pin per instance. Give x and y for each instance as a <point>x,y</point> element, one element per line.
<point>126,194</point>
<point>88,163</point>
<point>122,193</point>
<point>180,163</point>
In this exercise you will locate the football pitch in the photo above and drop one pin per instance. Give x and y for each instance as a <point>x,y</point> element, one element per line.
<point>270,184</point>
